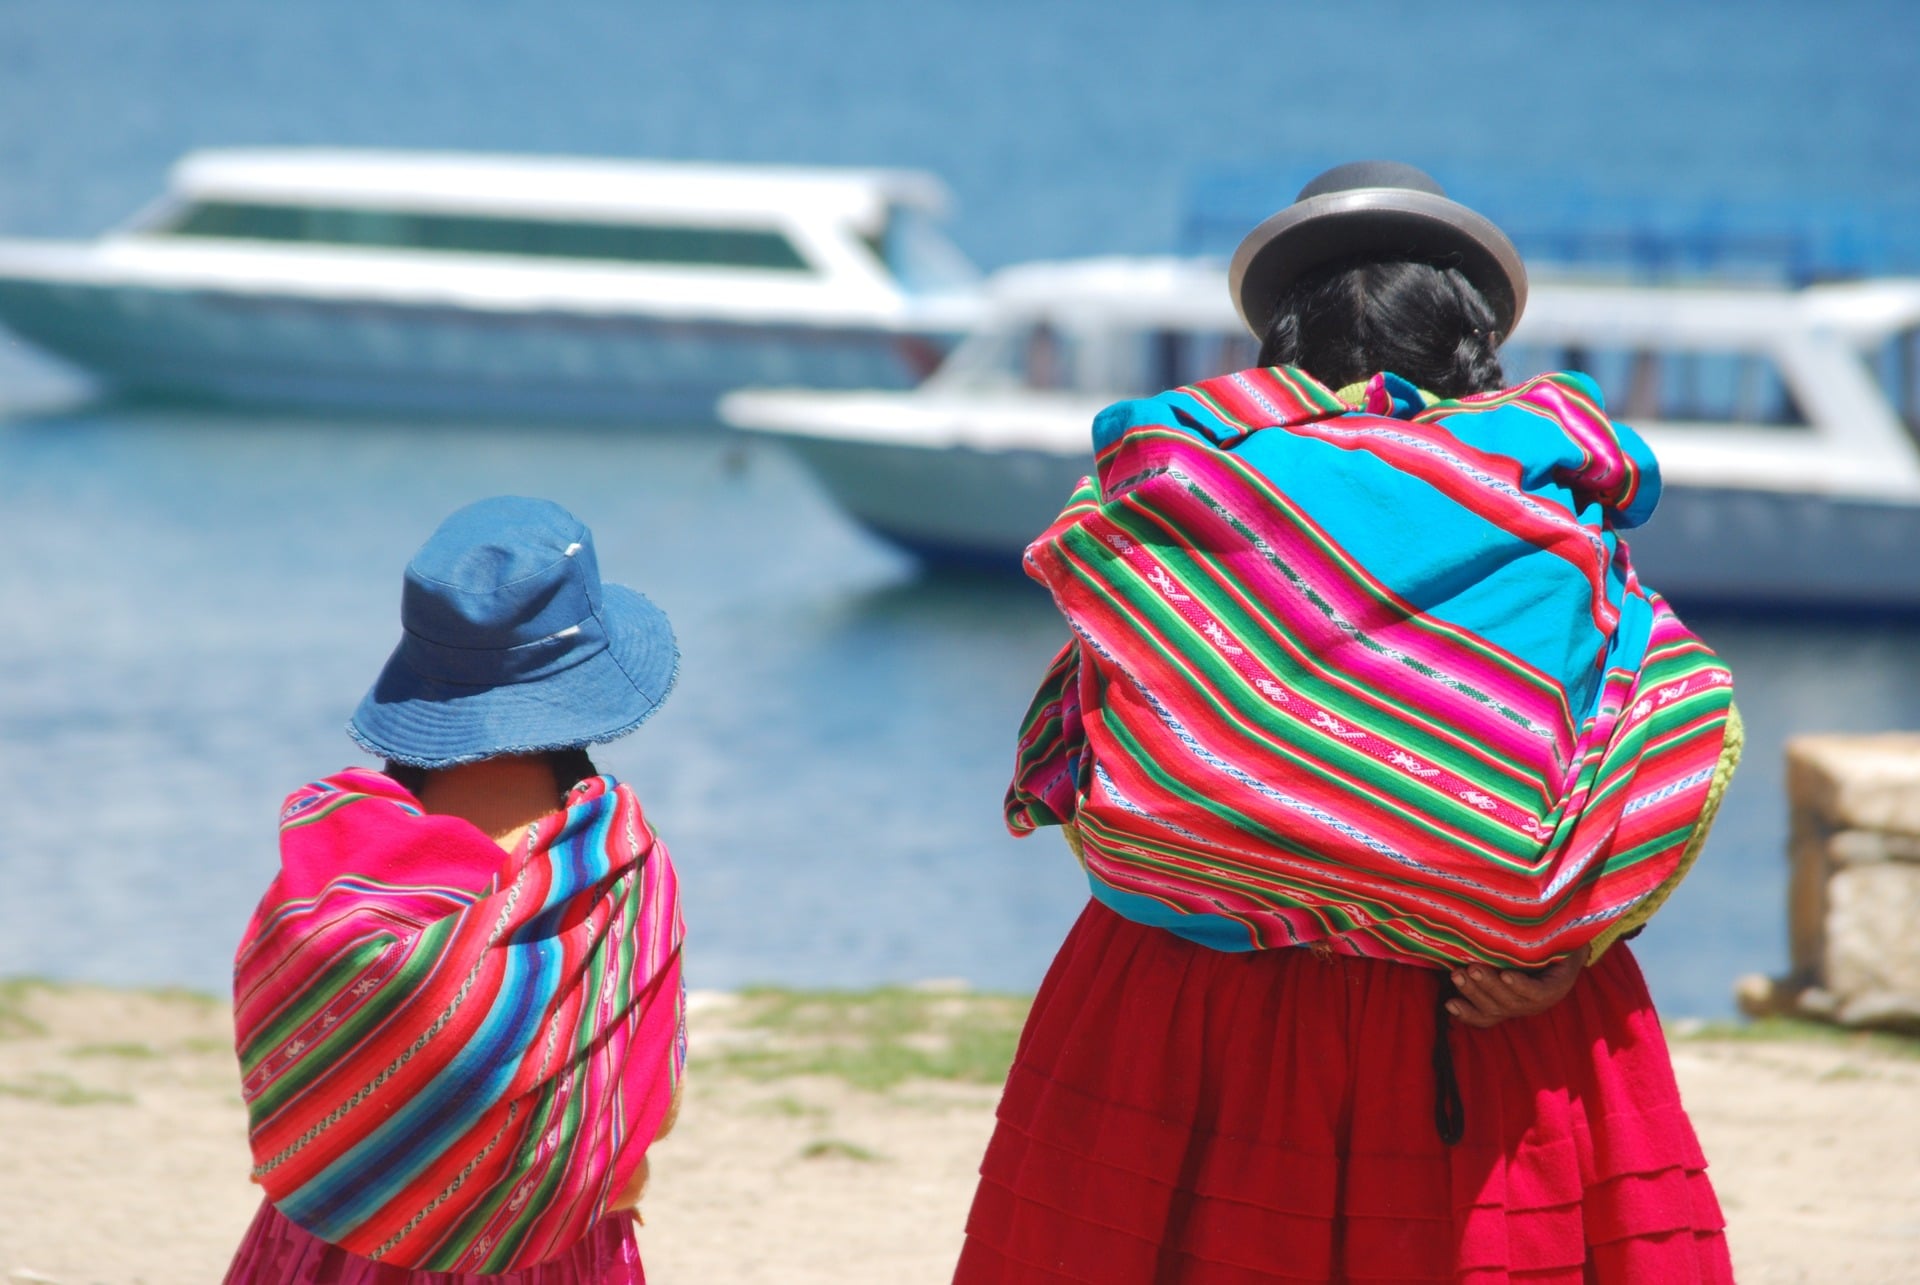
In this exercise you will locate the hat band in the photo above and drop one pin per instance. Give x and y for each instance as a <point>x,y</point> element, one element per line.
<point>501,666</point>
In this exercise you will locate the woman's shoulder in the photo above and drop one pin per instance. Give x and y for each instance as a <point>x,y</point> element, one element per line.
<point>1558,393</point>
<point>1595,457</point>
<point>348,786</point>
<point>1223,409</point>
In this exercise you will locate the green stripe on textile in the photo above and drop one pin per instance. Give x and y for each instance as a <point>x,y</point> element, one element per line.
<point>393,993</point>
<point>314,997</point>
<point>1334,762</point>
<point>1383,713</point>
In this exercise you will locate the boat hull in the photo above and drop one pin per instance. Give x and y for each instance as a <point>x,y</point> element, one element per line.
<point>380,356</point>
<point>1706,545</point>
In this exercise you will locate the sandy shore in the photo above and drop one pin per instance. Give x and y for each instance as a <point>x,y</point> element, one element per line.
<point>833,1138</point>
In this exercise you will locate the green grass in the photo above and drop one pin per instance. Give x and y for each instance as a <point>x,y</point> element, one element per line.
<point>1778,1030</point>
<point>16,993</point>
<point>1842,1072</point>
<point>60,1091</point>
<point>840,1148</point>
<point>876,1039</point>
<point>128,1050</point>
<point>185,996</point>
<point>792,1108</point>
<point>15,1021</point>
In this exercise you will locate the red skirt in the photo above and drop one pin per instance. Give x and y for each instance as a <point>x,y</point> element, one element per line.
<point>277,1251</point>
<point>1180,1114</point>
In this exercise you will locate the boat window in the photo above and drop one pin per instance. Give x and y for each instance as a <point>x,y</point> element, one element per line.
<point>1897,366</point>
<point>1143,362</point>
<point>1048,358</point>
<point>1673,387</point>
<point>918,254</point>
<point>1176,358</point>
<point>1124,362</point>
<point>486,234</point>
<point>1036,354</point>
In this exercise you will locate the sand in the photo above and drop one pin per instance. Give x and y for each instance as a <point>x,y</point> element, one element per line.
<point>123,1154</point>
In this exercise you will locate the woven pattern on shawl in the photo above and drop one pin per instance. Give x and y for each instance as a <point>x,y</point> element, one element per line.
<point>454,1057</point>
<point>1305,724</point>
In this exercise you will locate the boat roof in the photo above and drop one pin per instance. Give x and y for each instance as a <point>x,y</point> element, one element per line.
<point>1861,313</point>
<point>1176,291</point>
<point>551,186</point>
<point>1117,291</point>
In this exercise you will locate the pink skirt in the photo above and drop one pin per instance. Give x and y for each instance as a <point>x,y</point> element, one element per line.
<point>278,1252</point>
<point>1179,1114</point>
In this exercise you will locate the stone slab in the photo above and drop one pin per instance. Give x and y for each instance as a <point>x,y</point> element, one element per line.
<point>1858,782</point>
<point>1809,866</point>
<point>1873,931</point>
<point>1883,1010</point>
<point>1865,847</point>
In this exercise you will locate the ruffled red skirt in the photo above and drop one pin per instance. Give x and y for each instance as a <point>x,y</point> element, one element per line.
<point>277,1251</point>
<point>1179,1114</point>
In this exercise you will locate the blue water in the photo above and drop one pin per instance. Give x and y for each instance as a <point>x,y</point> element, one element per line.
<point>193,601</point>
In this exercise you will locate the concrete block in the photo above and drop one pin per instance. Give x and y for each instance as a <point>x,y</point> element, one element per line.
<point>1809,866</point>
<point>1853,884</point>
<point>1865,847</point>
<point>1858,782</point>
<point>1873,931</point>
<point>1882,1009</point>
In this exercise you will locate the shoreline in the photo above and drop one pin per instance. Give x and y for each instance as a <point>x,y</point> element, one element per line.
<point>834,1136</point>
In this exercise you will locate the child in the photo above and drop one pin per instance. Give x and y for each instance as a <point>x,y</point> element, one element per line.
<point>458,1008</point>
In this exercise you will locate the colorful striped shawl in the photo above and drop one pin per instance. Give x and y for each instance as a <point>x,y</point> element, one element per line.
<point>1381,679</point>
<point>454,1057</point>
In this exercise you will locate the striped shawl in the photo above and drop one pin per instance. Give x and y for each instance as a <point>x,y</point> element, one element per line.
<point>1375,677</point>
<point>454,1057</point>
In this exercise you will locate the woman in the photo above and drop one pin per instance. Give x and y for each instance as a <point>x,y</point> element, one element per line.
<point>458,1008</point>
<point>1373,748</point>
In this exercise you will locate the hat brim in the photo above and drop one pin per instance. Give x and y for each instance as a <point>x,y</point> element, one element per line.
<point>429,723</point>
<point>1382,224</point>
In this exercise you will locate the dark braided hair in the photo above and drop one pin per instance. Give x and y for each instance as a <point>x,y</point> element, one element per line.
<point>1344,322</point>
<point>570,767</point>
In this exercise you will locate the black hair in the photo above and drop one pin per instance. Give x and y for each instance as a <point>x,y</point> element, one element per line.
<point>1345,322</point>
<point>570,767</point>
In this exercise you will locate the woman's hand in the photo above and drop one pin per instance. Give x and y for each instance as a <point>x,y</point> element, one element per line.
<point>629,1198</point>
<point>1487,998</point>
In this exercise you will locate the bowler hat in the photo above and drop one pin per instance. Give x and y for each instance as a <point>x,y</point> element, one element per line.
<point>511,644</point>
<point>1382,211</point>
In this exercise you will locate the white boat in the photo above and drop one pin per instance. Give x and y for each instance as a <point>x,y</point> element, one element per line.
<point>499,284</point>
<point>1784,420</point>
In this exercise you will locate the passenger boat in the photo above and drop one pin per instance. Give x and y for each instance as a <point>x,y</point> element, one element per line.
<point>1784,419</point>
<point>498,284</point>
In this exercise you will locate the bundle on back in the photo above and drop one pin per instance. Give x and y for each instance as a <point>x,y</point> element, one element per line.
<point>1375,676</point>
<point>454,1057</point>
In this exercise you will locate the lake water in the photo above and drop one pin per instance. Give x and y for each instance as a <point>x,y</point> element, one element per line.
<point>194,600</point>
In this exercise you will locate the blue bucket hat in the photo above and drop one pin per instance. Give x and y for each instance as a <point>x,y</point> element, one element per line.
<point>512,645</point>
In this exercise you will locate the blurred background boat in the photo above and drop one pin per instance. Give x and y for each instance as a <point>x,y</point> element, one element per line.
<point>1783,419</point>
<point>970,466</point>
<point>500,285</point>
